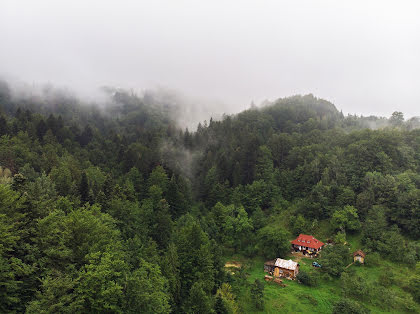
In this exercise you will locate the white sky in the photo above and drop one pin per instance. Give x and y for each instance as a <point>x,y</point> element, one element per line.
<point>364,56</point>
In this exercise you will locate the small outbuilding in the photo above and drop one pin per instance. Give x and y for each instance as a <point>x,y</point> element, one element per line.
<point>282,268</point>
<point>359,256</point>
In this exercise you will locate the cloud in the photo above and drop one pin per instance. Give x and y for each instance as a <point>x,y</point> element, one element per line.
<point>362,55</point>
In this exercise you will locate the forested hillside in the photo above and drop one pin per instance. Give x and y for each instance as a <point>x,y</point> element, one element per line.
<point>114,208</point>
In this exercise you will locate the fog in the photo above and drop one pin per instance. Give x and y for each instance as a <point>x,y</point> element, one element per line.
<point>361,55</point>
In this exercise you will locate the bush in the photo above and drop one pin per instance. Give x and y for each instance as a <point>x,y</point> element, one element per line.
<point>257,294</point>
<point>273,241</point>
<point>386,279</point>
<point>373,259</point>
<point>414,287</point>
<point>388,299</point>
<point>355,286</point>
<point>347,306</point>
<point>334,259</point>
<point>308,279</point>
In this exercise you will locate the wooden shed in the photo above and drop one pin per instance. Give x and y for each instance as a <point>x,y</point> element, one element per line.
<point>359,256</point>
<point>269,266</point>
<point>282,268</point>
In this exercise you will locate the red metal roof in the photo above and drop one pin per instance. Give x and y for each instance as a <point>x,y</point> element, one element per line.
<point>308,241</point>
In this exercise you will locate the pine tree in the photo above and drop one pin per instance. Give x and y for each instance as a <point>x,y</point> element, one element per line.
<point>41,129</point>
<point>257,293</point>
<point>175,199</point>
<point>162,229</point>
<point>52,124</point>
<point>3,126</point>
<point>170,269</point>
<point>84,189</point>
<point>264,167</point>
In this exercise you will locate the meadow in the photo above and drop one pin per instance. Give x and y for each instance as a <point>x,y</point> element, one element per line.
<point>298,298</point>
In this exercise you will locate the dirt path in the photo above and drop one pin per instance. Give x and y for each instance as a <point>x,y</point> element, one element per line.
<point>233,264</point>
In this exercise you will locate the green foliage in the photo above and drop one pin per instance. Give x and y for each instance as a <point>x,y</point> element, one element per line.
<point>228,304</point>
<point>96,216</point>
<point>414,287</point>
<point>307,278</point>
<point>131,218</point>
<point>171,270</point>
<point>146,290</point>
<point>346,306</point>
<point>340,238</point>
<point>84,188</point>
<point>195,259</point>
<point>198,301</point>
<point>346,219</point>
<point>299,225</point>
<point>397,118</point>
<point>231,225</point>
<point>414,284</point>
<point>5,176</point>
<point>356,287</point>
<point>264,165</point>
<point>386,279</point>
<point>159,178</point>
<point>373,259</point>
<point>161,230</point>
<point>57,295</point>
<point>237,227</point>
<point>9,266</point>
<point>387,241</point>
<point>219,306</point>
<point>62,179</point>
<point>273,241</point>
<point>257,293</point>
<point>334,259</point>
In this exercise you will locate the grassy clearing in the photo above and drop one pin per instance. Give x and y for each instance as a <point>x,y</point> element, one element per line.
<point>294,298</point>
<point>298,298</point>
<point>355,241</point>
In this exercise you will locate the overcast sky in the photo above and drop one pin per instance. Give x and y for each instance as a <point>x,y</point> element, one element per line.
<point>364,56</point>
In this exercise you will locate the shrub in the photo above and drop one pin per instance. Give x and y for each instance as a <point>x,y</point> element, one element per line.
<point>334,259</point>
<point>414,287</point>
<point>355,286</point>
<point>386,279</point>
<point>308,279</point>
<point>257,294</point>
<point>373,259</point>
<point>347,306</point>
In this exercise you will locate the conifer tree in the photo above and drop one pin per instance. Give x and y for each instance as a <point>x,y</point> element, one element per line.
<point>84,189</point>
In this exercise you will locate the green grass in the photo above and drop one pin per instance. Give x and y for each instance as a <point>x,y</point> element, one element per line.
<point>294,298</point>
<point>298,298</point>
<point>355,241</point>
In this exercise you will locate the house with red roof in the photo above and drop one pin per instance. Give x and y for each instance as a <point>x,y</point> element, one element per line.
<point>307,244</point>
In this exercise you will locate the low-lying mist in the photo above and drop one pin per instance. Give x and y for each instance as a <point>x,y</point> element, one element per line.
<point>186,111</point>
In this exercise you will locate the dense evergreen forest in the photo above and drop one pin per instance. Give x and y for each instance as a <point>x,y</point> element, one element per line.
<point>116,209</point>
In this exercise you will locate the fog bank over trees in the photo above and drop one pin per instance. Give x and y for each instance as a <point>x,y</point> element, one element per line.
<point>360,55</point>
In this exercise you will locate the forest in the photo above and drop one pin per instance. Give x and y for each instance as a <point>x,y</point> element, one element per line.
<point>118,209</point>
